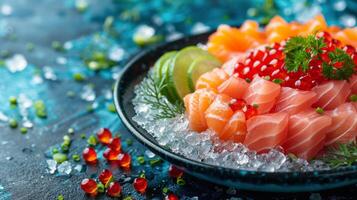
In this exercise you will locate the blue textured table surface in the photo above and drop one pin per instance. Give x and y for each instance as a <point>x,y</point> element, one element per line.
<point>47,48</point>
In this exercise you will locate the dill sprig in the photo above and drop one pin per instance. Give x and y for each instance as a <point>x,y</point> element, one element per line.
<point>152,91</point>
<point>341,155</point>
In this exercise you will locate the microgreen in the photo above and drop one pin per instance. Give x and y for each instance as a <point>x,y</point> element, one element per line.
<point>341,155</point>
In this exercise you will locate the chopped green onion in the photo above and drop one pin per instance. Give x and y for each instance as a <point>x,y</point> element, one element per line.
<point>92,140</point>
<point>59,157</point>
<point>13,123</point>
<point>13,101</point>
<point>353,97</point>
<point>23,130</point>
<point>180,181</point>
<point>100,187</point>
<point>76,157</point>
<point>320,110</point>
<point>141,160</point>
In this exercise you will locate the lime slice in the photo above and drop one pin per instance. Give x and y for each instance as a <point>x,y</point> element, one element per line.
<point>167,90</point>
<point>159,64</point>
<point>200,66</point>
<point>177,74</point>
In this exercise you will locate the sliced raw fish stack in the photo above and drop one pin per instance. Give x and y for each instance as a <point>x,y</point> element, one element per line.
<point>344,124</point>
<point>196,105</point>
<point>293,100</point>
<point>230,65</point>
<point>262,93</point>
<point>307,133</point>
<point>332,94</point>
<point>266,131</point>
<point>234,87</point>
<point>212,79</point>
<point>353,84</point>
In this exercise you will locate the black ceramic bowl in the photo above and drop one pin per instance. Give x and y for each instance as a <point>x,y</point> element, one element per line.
<point>134,72</point>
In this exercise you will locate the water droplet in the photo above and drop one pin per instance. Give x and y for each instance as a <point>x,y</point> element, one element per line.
<point>6,9</point>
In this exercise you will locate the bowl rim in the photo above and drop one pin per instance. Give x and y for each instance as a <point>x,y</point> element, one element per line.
<point>174,156</point>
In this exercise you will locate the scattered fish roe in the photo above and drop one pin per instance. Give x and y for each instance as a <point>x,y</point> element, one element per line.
<point>140,185</point>
<point>114,189</point>
<point>89,186</point>
<point>106,177</point>
<point>104,136</point>
<point>89,155</point>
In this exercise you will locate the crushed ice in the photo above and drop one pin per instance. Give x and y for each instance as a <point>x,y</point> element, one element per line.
<point>16,63</point>
<point>205,147</point>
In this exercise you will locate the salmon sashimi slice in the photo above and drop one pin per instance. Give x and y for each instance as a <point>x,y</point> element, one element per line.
<point>266,131</point>
<point>278,30</point>
<point>234,87</point>
<point>353,84</point>
<point>212,79</point>
<point>219,113</point>
<point>344,124</point>
<point>230,65</point>
<point>293,100</point>
<point>262,93</point>
<point>235,129</point>
<point>196,105</point>
<point>307,133</point>
<point>347,36</point>
<point>331,94</point>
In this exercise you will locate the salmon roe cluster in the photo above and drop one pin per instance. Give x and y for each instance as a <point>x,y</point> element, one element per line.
<point>269,62</point>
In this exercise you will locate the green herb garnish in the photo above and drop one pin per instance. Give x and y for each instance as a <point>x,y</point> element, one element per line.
<point>40,109</point>
<point>153,97</point>
<point>353,97</point>
<point>341,155</point>
<point>13,123</point>
<point>299,51</point>
<point>320,110</point>
<point>59,157</point>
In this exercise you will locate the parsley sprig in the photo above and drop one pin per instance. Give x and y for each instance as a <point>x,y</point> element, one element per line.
<point>153,97</point>
<point>299,51</point>
<point>341,155</point>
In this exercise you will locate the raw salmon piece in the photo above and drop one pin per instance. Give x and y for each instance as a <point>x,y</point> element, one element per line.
<point>266,131</point>
<point>318,23</point>
<point>344,124</point>
<point>212,79</point>
<point>331,94</point>
<point>230,65</point>
<point>234,87</point>
<point>196,105</point>
<point>235,129</point>
<point>218,113</point>
<point>263,93</point>
<point>347,36</point>
<point>307,133</point>
<point>353,84</point>
<point>293,101</point>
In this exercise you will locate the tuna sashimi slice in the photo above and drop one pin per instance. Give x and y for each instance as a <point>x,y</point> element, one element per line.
<point>263,93</point>
<point>266,131</point>
<point>353,84</point>
<point>307,133</point>
<point>219,113</point>
<point>293,100</point>
<point>234,87</point>
<point>344,124</point>
<point>332,94</point>
<point>196,105</point>
<point>212,79</point>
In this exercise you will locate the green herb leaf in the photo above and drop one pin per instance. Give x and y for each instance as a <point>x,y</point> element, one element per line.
<point>342,73</point>
<point>341,155</point>
<point>154,98</point>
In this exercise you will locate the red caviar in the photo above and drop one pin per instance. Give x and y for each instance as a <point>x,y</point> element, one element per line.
<point>114,189</point>
<point>250,111</point>
<point>175,172</point>
<point>104,136</point>
<point>140,185</point>
<point>89,155</point>
<point>115,144</point>
<point>89,186</point>
<point>237,104</point>
<point>124,160</point>
<point>106,177</point>
<point>111,154</point>
<point>171,196</point>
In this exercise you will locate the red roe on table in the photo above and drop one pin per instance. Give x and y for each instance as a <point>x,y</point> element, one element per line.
<point>89,186</point>
<point>114,189</point>
<point>115,144</point>
<point>175,172</point>
<point>140,184</point>
<point>106,177</point>
<point>89,155</point>
<point>104,136</point>
<point>110,154</point>
<point>171,196</point>
<point>124,160</point>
